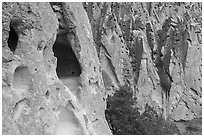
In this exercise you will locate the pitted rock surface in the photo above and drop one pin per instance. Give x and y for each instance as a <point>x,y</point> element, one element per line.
<point>60,62</point>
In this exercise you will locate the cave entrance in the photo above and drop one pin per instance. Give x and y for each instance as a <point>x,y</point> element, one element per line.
<point>68,68</point>
<point>68,71</point>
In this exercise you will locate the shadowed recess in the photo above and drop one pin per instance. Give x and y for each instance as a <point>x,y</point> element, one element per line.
<point>68,68</point>
<point>67,63</point>
<point>12,40</point>
<point>68,125</point>
<point>21,80</point>
<point>68,71</point>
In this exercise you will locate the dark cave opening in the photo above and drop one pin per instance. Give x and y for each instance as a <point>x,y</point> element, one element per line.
<point>68,68</point>
<point>68,71</point>
<point>13,39</point>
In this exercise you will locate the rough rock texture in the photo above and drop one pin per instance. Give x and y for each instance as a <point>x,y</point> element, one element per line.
<point>60,61</point>
<point>162,42</point>
<point>34,95</point>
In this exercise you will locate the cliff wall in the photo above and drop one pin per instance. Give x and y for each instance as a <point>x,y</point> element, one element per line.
<point>60,61</point>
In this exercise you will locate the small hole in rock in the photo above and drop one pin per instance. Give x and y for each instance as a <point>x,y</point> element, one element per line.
<point>41,108</point>
<point>47,94</point>
<point>85,118</point>
<point>12,40</point>
<point>113,39</point>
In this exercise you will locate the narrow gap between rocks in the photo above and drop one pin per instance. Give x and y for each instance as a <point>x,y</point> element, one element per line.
<point>13,39</point>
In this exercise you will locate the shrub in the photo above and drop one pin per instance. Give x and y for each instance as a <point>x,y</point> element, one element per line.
<point>123,119</point>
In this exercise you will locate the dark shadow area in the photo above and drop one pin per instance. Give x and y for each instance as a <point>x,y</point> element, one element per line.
<point>67,63</point>
<point>12,40</point>
<point>68,68</point>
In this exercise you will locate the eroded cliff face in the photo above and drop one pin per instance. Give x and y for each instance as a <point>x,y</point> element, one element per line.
<point>60,61</point>
<point>162,44</point>
<point>52,83</point>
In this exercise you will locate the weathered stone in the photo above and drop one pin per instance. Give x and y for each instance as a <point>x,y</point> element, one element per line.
<point>60,61</point>
<point>36,87</point>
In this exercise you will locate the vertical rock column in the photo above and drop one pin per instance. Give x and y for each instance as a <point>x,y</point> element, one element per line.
<point>92,89</point>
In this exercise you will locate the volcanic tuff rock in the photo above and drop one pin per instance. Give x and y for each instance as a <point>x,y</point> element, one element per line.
<point>63,59</point>
<point>34,82</point>
<point>163,44</point>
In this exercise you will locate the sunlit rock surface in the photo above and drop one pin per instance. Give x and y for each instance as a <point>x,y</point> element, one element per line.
<point>50,63</point>
<point>60,61</point>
